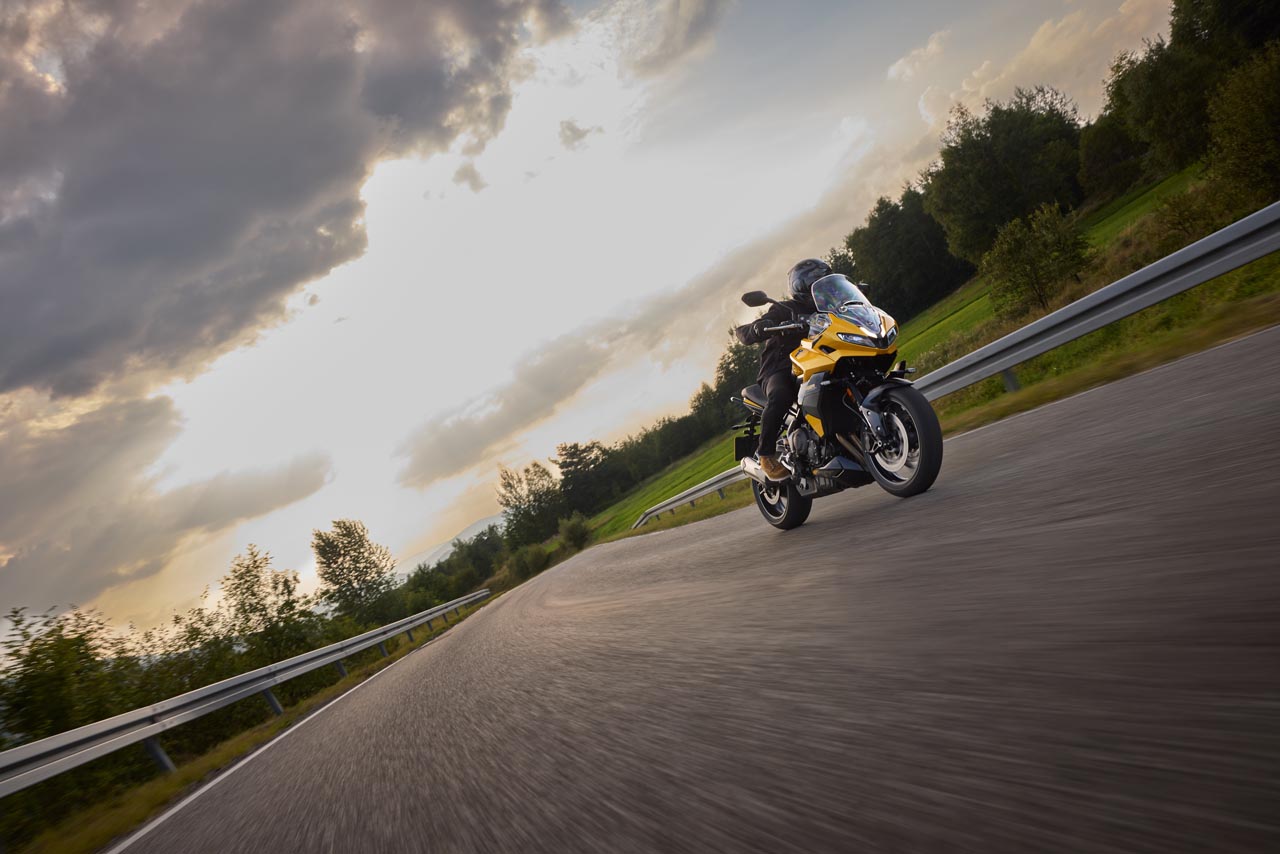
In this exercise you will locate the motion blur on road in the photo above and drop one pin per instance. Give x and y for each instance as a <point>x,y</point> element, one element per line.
<point>1068,645</point>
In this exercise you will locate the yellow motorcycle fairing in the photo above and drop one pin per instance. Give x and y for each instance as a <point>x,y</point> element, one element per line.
<point>817,355</point>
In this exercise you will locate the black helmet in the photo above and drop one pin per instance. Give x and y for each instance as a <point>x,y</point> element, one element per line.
<point>802,276</point>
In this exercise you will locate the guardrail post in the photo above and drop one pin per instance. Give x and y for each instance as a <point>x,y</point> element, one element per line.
<point>341,668</point>
<point>382,647</point>
<point>156,752</point>
<point>409,632</point>
<point>720,492</point>
<point>1010,380</point>
<point>272,701</point>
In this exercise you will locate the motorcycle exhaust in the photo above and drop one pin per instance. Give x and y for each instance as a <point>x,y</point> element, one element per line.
<point>752,469</point>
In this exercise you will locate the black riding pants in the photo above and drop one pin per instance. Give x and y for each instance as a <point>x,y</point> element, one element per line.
<point>780,386</point>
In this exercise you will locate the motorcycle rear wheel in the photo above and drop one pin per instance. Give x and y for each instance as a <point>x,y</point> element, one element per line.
<point>781,504</point>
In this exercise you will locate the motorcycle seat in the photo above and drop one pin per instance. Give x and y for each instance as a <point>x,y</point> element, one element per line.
<point>755,396</point>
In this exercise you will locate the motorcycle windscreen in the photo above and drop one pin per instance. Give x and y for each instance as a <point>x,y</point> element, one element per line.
<point>838,295</point>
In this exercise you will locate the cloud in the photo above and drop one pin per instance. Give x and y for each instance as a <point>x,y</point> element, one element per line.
<point>689,321</point>
<point>572,135</point>
<point>906,68</point>
<point>934,104</point>
<point>1071,53</point>
<point>451,443</point>
<point>80,516</point>
<point>677,31</point>
<point>170,173</point>
<point>468,176</point>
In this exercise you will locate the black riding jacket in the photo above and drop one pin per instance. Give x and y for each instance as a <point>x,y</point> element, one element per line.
<point>777,345</point>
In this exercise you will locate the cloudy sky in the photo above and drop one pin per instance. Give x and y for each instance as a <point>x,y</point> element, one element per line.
<point>268,263</point>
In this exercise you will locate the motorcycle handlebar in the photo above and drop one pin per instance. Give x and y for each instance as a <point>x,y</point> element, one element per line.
<point>786,327</point>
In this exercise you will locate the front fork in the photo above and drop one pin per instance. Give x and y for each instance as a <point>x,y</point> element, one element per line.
<point>868,412</point>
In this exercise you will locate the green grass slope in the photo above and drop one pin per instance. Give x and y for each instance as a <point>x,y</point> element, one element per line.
<point>1105,224</point>
<point>711,459</point>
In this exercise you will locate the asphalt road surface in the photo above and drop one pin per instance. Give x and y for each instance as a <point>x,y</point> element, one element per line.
<point>1069,644</point>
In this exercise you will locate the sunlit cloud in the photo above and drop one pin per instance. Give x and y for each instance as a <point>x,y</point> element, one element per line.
<point>906,68</point>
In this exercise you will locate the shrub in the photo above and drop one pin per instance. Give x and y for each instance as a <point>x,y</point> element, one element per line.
<point>528,561</point>
<point>574,532</point>
<point>1186,217</point>
<point>1031,258</point>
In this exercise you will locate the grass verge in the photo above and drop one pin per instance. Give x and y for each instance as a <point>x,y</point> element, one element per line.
<point>711,459</point>
<point>1229,322</point>
<point>97,826</point>
<point>735,496</point>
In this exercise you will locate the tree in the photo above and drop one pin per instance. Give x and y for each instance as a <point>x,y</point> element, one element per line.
<point>1110,158</point>
<point>1162,96</point>
<point>1030,259</point>
<point>265,609</point>
<point>1002,165</point>
<point>533,502</point>
<point>1245,127</point>
<point>354,571</point>
<point>902,253</point>
<point>1229,28</point>
<point>583,477</point>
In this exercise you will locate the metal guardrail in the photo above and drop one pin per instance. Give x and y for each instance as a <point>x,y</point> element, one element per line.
<point>689,496</point>
<point>28,764</point>
<point>1243,241</point>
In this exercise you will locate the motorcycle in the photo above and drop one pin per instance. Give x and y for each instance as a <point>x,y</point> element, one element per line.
<point>857,418</point>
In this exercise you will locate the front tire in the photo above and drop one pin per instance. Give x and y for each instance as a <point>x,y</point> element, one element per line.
<point>781,504</point>
<point>912,462</point>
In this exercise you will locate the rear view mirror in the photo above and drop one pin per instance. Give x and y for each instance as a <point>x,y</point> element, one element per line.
<point>755,299</point>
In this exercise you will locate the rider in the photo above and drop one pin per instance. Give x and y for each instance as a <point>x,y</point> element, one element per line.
<point>775,361</point>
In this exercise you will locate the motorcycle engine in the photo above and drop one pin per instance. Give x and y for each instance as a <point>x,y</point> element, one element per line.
<point>803,442</point>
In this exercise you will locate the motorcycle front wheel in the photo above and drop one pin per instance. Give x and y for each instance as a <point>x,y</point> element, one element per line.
<point>909,464</point>
<point>781,504</point>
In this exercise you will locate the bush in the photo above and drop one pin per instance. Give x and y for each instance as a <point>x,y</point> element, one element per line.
<point>574,532</point>
<point>1031,258</point>
<point>1245,127</point>
<point>1186,217</point>
<point>528,561</point>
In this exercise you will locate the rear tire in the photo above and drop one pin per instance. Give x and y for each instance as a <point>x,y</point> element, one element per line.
<point>911,467</point>
<point>781,504</point>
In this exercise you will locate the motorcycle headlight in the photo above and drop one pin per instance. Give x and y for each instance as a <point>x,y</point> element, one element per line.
<point>850,338</point>
<point>891,336</point>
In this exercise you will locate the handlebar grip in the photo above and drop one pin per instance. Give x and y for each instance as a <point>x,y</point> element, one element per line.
<point>784,328</point>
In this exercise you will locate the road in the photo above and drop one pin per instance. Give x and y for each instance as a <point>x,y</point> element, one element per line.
<point>1069,644</point>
